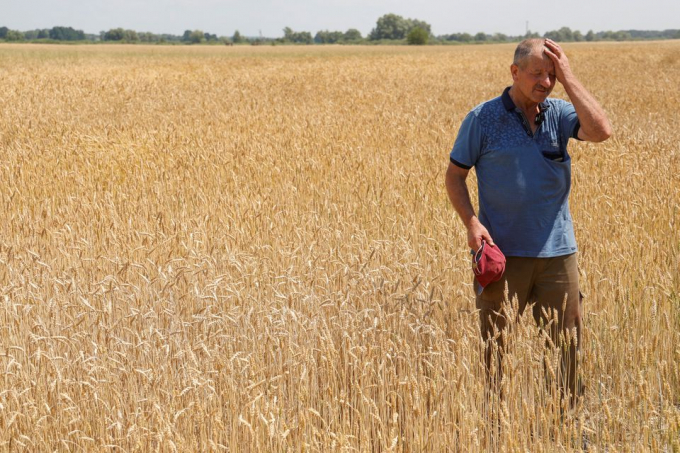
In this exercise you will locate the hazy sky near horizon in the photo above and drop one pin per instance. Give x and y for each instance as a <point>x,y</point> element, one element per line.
<point>269,17</point>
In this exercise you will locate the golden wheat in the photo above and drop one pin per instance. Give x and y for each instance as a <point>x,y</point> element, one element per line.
<point>251,249</point>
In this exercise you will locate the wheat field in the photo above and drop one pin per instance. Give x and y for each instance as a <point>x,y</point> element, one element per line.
<point>251,249</point>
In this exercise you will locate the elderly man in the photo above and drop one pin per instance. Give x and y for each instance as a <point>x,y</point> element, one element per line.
<point>517,143</point>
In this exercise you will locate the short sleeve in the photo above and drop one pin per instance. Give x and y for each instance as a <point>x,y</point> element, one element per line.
<point>468,146</point>
<point>569,123</point>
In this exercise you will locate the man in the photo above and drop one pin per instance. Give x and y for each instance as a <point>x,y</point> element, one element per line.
<point>517,143</point>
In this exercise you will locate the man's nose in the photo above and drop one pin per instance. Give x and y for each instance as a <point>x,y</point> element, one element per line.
<point>545,80</point>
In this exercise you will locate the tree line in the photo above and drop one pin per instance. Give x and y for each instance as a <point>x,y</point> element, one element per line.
<point>390,29</point>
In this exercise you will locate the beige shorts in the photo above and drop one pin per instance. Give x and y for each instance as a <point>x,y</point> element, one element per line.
<point>543,281</point>
<point>550,284</point>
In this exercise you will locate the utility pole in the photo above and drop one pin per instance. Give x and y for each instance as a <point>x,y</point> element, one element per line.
<point>526,32</point>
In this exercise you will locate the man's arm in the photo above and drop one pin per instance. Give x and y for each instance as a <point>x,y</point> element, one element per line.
<point>460,199</point>
<point>595,126</point>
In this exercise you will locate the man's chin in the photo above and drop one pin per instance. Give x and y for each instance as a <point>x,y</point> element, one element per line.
<point>540,96</point>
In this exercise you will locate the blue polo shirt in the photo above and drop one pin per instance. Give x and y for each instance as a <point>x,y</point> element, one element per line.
<point>523,178</point>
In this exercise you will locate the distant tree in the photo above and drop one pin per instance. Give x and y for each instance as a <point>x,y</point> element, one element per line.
<point>321,37</point>
<point>578,36</point>
<point>186,37</point>
<point>43,34</point>
<point>623,36</point>
<point>615,35</point>
<point>169,38</point>
<point>14,35</point>
<point>566,34</point>
<point>210,37</point>
<point>413,23</point>
<point>500,37</point>
<point>481,36</point>
<point>337,36</point>
<point>31,34</point>
<point>302,37</point>
<point>590,36</point>
<point>130,36</point>
<point>196,37</point>
<point>237,38</point>
<point>352,35</point>
<point>66,34</point>
<point>3,32</point>
<point>389,26</point>
<point>417,36</point>
<point>552,34</point>
<point>458,37</point>
<point>393,26</point>
<point>148,37</point>
<point>115,34</point>
<point>328,37</point>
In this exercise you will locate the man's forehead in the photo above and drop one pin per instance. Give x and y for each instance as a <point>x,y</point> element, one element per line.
<point>539,60</point>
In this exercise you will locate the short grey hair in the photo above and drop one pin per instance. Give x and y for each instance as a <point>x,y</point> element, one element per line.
<point>526,48</point>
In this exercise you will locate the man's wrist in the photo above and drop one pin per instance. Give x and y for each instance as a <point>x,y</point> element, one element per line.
<point>569,79</point>
<point>472,221</point>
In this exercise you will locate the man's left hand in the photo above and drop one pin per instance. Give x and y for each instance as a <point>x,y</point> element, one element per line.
<point>559,58</point>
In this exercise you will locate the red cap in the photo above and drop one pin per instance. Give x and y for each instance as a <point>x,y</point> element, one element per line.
<point>488,264</point>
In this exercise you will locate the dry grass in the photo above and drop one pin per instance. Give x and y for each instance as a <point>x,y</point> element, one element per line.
<point>207,249</point>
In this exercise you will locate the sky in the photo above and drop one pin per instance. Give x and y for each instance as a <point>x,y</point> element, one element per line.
<point>269,17</point>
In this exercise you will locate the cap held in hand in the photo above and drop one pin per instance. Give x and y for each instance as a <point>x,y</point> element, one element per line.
<point>488,264</point>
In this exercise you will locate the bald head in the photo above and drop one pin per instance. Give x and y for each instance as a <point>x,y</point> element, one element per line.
<point>528,47</point>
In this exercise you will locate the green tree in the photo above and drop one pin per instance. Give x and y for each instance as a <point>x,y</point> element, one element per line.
<point>566,34</point>
<point>481,36</point>
<point>413,23</point>
<point>302,37</point>
<point>417,36</point>
<point>130,36</point>
<point>389,26</point>
<point>590,36</point>
<point>3,32</point>
<point>14,35</point>
<point>237,38</point>
<point>196,37</point>
<point>352,35</point>
<point>393,26</point>
<point>328,37</point>
<point>115,34</point>
<point>31,34</point>
<point>148,37</point>
<point>66,34</point>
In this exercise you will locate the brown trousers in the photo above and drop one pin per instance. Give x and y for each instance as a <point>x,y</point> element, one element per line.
<point>551,285</point>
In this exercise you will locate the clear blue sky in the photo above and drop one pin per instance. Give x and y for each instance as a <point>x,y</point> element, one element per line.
<point>222,17</point>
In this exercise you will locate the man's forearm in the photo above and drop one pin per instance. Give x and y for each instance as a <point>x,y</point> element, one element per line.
<point>593,119</point>
<point>460,198</point>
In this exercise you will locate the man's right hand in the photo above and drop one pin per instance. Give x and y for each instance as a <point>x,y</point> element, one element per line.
<point>476,233</point>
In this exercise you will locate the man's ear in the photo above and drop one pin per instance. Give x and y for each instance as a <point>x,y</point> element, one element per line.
<point>514,69</point>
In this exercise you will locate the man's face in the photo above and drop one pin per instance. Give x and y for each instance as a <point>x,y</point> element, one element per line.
<point>536,79</point>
